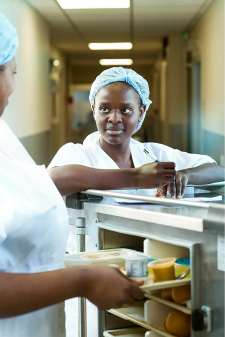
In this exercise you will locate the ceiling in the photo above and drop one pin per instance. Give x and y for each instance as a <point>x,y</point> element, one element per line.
<point>145,25</point>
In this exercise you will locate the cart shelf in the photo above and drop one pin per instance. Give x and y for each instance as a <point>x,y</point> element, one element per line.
<point>136,316</point>
<point>173,305</point>
<point>131,332</point>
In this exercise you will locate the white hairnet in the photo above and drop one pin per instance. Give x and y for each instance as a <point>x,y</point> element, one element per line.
<point>129,76</point>
<point>8,40</point>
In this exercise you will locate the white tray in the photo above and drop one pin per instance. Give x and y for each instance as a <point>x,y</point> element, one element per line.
<point>101,257</point>
<point>133,314</point>
<point>151,286</point>
<point>129,332</point>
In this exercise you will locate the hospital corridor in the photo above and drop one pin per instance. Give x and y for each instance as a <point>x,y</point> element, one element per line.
<point>112,168</point>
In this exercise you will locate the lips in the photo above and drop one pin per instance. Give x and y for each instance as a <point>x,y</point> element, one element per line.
<point>114,129</point>
<point>114,132</point>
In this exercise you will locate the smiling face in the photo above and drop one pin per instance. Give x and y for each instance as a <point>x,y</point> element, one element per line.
<point>117,109</point>
<point>7,79</point>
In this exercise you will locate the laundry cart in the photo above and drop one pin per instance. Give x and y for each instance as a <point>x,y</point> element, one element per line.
<point>118,226</point>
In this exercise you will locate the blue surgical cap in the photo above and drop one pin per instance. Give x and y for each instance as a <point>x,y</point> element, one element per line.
<point>8,40</point>
<point>129,76</point>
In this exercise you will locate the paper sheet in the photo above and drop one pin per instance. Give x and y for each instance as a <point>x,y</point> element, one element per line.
<point>195,199</point>
<point>218,184</point>
<point>205,199</point>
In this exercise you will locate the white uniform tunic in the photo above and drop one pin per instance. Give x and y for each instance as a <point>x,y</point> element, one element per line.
<point>33,232</point>
<point>91,154</point>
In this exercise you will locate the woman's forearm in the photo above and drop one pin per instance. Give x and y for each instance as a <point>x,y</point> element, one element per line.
<point>22,293</point>
<point>103,286</point>
<point>77,178</point>
<point>205,174</point>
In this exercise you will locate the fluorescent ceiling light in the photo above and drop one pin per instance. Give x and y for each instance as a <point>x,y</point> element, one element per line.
<point>85,4</point>
<point>116,62</point>
<point>110,46</point>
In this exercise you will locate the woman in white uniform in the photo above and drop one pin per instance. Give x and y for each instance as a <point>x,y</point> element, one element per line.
<point>119,98</point>
<point>33,232</point>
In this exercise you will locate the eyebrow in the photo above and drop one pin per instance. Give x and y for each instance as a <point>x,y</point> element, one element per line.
<point>104,103</point>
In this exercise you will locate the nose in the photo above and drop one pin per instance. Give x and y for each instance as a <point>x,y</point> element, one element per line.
<point>115,116</point>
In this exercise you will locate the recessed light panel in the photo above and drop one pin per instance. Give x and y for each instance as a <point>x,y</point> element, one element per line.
<point>86,4</point>
<point>116,62</point>
<point>110,46</point>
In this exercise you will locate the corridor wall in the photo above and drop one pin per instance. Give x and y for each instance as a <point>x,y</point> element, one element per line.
<point>29,111</point>
<point>207,43</point>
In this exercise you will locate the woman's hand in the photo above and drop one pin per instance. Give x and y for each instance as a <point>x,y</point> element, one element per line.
<point>155,174</point>
<point>107,288</point>
<point>175,188</point>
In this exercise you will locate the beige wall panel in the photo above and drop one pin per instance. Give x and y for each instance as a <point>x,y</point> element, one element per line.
<point>29,111</point>
<point>208,45</point>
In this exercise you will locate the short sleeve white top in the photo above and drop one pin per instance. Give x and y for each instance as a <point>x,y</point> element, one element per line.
<point>91,154</point>
<point>33,232</point>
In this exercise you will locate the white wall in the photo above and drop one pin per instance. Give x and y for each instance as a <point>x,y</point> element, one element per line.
<point>208,45</point>
<point>29,110</point>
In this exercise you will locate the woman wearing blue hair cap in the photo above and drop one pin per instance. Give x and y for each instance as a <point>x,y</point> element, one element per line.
<point>33,232</point>
<point>8,40</point>
<point>119,99</point>
<point>129,76</point>
<point>8,46</point>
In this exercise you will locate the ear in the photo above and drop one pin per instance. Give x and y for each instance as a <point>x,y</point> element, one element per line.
<point>142,111</point>
<point>93,110</point>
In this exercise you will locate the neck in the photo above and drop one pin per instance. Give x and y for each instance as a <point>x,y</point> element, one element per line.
<point>120,153</point>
